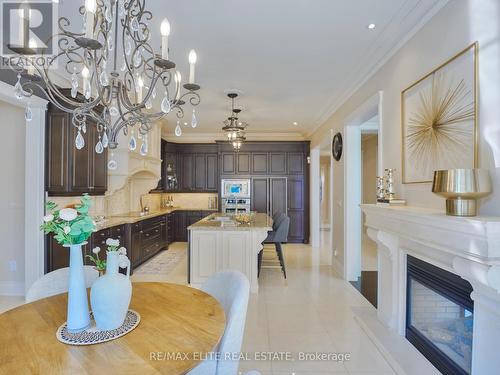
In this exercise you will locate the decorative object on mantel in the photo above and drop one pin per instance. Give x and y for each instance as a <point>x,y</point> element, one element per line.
<point>461,188</point>
<point>337,146</point>
<point>93,335</point>
<point>110,294</point>
<point>115,67</point>
<point>72,227</point>
<point>385,189</point>
<point>439,119</point>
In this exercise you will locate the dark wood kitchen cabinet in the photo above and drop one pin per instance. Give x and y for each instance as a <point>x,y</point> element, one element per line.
<point>57,256</point>
<point>260,194</point>
<point>142,240</point>
<point>244,162</point>
<point>69,171</point>
<point>277,163</point>
<point>187,174</point>
<point>200,172</point>
<point>212,173</point>
<point>57,142</point>
<point>259,163</point>
<point>228,161</point>
<point>296,208</point>
<point>280,179</point>
<point>194,165</point>
<point>135,244</point>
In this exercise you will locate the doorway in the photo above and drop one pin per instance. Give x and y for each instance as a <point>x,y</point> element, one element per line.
<point>363,163</point>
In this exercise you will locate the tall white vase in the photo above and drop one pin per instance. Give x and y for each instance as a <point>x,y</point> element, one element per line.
<point>110,294</point>
<point>78,307</point>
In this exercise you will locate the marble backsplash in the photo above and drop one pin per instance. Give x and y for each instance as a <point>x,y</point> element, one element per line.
<point>120,202</point>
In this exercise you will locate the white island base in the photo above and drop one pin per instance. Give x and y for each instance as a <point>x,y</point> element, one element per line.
<point>216,246</point>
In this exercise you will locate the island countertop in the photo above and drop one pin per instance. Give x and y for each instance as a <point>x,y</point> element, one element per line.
<point>260,222</point>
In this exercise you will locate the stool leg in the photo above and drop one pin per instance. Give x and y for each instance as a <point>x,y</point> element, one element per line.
<point>279,250</point>
<point>259,262</point>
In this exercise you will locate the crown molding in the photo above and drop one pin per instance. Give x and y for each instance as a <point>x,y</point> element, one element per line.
<point>381,52</point>
<point>217,136</point>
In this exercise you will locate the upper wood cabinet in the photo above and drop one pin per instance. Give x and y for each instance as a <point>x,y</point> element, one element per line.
<point>243,162</point>
<point>200,172</point>
<point>295,163</point>
<point>277,163</point>
<point>259,162</point>
<point>228,160</point>
<point>212,173</point>
<point>187,172</point>
<point>194,165</point>
<point>69,171</point>
<point>56,152</point>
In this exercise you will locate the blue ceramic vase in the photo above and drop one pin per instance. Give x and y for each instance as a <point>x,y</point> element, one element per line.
<point>110,294</point>
<point>78,317</point>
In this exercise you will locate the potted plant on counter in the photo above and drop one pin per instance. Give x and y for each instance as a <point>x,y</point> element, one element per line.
<point>72,226</point>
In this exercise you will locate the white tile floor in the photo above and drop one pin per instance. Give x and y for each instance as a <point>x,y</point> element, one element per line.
<point>309,312</point>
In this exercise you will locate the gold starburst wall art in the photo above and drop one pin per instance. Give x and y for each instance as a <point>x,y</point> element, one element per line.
<point>439,115</point>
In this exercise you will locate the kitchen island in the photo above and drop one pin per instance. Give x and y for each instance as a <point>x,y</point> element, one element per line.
<point>217,243</point>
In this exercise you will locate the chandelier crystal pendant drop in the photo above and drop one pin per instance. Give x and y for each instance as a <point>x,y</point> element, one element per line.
<point>233,127</point>
<point>113,71</point>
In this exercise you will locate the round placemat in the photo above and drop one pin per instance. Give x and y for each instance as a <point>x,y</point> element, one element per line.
<point>94,335</point>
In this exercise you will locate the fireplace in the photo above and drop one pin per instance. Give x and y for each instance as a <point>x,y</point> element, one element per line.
<point>439,316</point>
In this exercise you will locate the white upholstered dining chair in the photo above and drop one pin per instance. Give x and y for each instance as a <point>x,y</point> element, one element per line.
<point>231,289</point>
<point>56,282</point>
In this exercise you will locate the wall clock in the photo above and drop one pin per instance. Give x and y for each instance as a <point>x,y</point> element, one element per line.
<point>337,146</point>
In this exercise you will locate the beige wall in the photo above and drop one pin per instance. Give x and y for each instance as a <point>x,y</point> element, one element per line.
<point>369,148</point>
<point>454,27</point>
<point>12,153</point>
<point>325,203</point>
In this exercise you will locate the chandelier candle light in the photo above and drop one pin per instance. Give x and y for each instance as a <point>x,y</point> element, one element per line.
<point>112,63</point>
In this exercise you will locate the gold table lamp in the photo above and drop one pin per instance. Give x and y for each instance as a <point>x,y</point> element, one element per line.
<point>461,188</point>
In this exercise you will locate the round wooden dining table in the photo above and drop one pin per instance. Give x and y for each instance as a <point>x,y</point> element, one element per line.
<point>179,326</point>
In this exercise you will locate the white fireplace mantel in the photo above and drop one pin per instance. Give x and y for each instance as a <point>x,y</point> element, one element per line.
<point>468,247</point>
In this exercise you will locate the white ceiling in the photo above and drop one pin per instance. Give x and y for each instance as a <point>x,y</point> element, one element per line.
<point>294,60</point>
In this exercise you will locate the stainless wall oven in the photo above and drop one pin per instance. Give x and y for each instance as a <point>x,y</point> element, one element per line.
<point>235,194</point>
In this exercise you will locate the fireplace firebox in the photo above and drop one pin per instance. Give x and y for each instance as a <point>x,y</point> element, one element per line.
<point>439,316</point>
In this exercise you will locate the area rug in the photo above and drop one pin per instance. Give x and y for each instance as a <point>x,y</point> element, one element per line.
<point>163,263</point>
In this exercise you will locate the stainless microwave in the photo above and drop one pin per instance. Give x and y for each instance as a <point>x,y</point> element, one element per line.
<point>235,188</point>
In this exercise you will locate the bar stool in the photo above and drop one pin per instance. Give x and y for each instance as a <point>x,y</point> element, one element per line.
<point>277,236</point>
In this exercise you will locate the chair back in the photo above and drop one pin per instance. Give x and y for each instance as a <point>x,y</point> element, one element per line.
<point>231,289</point>
<point>56,282</point>
<point>281,232</point>
<point>277,219</point>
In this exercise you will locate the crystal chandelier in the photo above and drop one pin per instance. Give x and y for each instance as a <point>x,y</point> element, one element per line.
<point>233,127</point>
<point>114,72</point>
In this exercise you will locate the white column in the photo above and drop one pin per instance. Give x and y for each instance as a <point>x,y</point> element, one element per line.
<point>34,248</point>
<point>34,197</point>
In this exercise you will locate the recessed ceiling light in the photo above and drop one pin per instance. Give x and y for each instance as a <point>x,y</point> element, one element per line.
<point>295,123</point>
<point>371,26</point>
